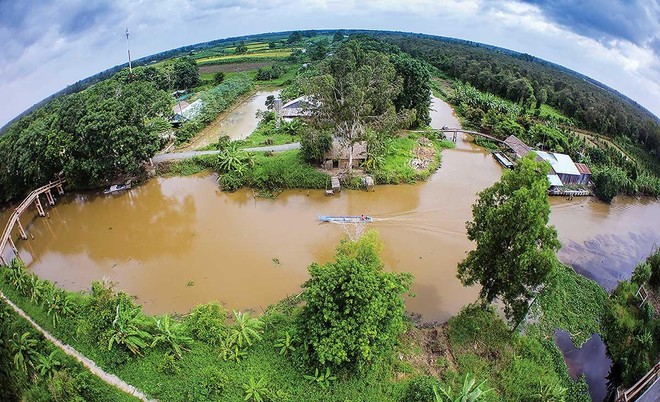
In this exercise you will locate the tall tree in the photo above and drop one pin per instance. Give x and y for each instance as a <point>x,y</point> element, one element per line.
<point>186,73</point>
<point>416,91</point>
<point>354,90</point>
<point>515,246</point>
<point>353,313</point>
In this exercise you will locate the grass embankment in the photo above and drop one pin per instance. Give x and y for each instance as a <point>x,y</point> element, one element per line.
<point>53,374</point>
<point>409,158</point>
<point>519,367</point>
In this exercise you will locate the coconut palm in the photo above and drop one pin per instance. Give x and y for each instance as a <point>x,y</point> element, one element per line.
<point>172,334</point>
<point>24,349</point>
<point>245,329</point>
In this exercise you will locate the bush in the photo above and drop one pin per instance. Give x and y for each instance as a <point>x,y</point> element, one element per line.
<point>420,389</point>
<point>214,382</point>
<point>654,261</point>
<point>642,273</point>
<point>353,314</point>
<point>231,181</point>
<point>207,322</point>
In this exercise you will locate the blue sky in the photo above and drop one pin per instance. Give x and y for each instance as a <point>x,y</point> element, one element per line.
<point>47,45</point>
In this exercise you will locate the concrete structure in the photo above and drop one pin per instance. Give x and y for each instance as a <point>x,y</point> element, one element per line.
<point>339,154</point>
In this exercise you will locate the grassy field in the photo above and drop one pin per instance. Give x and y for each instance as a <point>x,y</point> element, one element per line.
<point>267,54</point>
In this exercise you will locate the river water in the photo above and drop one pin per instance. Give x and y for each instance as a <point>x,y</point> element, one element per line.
<point>237,123</point>
<point>177,242</point>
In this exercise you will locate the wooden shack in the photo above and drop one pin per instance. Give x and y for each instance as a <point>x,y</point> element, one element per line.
<point>339,153</point>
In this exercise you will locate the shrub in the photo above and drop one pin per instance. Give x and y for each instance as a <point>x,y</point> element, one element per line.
<point>207,323</point>
<point>642,273</point>
<point>214,382</point>
<point>420,389</point>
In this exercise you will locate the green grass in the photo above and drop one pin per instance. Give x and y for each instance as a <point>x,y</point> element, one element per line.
<point>396,167</point>
<point>184,167</point>
<point>261,55</point>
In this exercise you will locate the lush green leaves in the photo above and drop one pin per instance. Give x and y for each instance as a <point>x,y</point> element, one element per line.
<point>354,311</point>
<point>515,247</point>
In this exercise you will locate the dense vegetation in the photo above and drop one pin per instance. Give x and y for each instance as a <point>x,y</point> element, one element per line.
<point>632,328</point>
<point>531,82</point>
<point>618,167</point>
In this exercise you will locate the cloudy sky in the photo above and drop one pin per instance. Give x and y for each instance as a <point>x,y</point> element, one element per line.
<point>46,45</point>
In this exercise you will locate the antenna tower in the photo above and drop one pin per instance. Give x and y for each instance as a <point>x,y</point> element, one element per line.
<point>128,47</point>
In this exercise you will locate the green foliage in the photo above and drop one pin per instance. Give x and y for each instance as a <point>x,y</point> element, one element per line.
<point>642,273</point>
<point>207,323</point>
<point>609,181</point>
<point>255,390</point>
<point>353,312</point>
<point>285,344</point>
<point>468,393</point>
<point>215,381</point>
<point>314,144</point>
<point>186,73</point>
<point>355,89</point>
<point>632,332</point>
<point>128,328</point>
<point>218,78</point>
<point>515,247</point>
<point>48,365</point>
<point>420,389</point>
<point>416,88</point>
<point>172,334</point>
<point>322,379</point>
<point>284,170</point>
<point>654,261</point>
<point>241,49</point>
<point>245,330</point>
<point>24,348</point>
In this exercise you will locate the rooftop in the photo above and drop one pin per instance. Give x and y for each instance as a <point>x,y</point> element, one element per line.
<point>561,163</point>
<point>520,148</point>
<point>582,168</point>
<point>340,151</point>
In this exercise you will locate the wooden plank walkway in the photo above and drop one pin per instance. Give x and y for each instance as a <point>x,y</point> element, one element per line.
<point>14,218</point>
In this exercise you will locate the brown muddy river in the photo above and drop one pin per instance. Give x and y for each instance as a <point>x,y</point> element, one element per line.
<point>177,242</point>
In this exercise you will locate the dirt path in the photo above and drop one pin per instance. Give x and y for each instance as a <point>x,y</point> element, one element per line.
<point>90,365</point>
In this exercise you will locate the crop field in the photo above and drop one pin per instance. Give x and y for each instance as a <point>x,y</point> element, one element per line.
<point>269,54</point>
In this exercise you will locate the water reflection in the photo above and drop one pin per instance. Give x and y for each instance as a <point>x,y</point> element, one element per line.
<point>590,360</point>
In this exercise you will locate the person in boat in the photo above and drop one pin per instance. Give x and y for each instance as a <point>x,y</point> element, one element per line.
<point>364,218</point>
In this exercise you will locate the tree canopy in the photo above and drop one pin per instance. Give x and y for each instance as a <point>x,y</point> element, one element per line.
<point>353,312</point>
<point>515,246</point>
<point>354,89</point>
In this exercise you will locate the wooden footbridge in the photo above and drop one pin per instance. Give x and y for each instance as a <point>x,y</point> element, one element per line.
<point>15,218</point>
<point>447,130</point>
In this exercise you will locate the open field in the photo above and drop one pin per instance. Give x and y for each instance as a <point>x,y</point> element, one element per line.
<point>274,54</point>
<point>233,67</point>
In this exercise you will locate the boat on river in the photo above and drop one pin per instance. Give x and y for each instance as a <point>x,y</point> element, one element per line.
<point>346,219</point>
<point>117,187</point>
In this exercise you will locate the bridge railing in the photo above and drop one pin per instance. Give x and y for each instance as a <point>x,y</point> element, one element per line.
<point>16,214</point>
<point>631,393</point>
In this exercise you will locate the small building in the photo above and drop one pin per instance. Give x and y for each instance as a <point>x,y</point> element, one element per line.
<point>518,147</point>
<point>299,107</point>
<point>338,155</point>
<point>561,165</point>
<point>183,111</point>
<point>585,174</point>
<point>555,183</point>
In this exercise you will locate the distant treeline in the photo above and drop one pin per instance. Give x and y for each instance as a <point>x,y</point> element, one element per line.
<point>530,81</point>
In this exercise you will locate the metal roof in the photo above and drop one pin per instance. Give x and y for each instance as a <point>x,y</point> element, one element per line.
<point>554,180</point>
<point>517,145</point>
<point>561,163</point>
<point>582,168</point>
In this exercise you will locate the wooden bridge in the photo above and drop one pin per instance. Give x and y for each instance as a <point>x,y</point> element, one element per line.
<point>455,131</point>
<point>652,394</point>
<point>14,218</point>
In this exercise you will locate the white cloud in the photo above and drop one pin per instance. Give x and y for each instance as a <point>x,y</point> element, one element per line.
<point>42,58</point>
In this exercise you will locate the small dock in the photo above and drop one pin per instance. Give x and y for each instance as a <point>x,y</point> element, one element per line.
<point>571,193</point>
<point>503,160</point>
<point>336,187</point>
<point>368,182</point>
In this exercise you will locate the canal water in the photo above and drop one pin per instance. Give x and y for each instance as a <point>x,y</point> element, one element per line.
<point>237,123</point>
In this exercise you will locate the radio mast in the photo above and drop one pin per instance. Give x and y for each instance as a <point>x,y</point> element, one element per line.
<point>128,47</point>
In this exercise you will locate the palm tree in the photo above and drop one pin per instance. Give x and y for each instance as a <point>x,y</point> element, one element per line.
<point>245,329</point>
<point>47,365</point>
<point>127,329</point>
<point>24,349</point>
<point>172,334</point>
